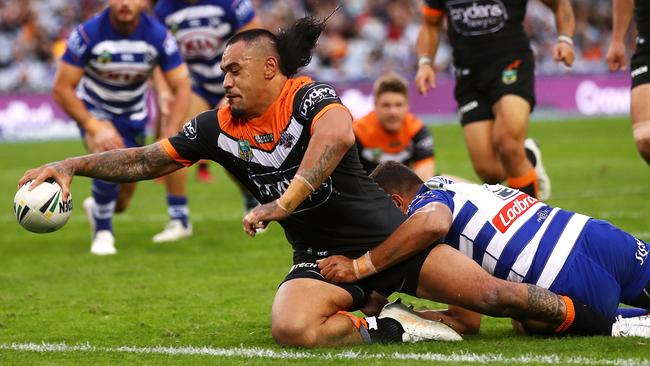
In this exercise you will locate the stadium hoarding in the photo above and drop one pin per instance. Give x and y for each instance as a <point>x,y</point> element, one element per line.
<point>37,117</point>
<point>557,96</point>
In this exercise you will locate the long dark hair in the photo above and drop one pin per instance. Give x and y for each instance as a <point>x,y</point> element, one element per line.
<point>293,45</point>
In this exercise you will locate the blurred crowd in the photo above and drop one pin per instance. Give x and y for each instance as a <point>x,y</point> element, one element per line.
<point>363,39</point>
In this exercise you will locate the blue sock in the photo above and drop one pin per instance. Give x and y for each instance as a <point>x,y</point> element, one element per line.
<point>631,312</point>
<point>177,208</point>
<point>105,195</point>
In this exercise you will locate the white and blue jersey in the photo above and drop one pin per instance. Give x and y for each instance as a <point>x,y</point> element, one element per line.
<point>117,67</point>
<point>517,238</point>
<point>202,29</point>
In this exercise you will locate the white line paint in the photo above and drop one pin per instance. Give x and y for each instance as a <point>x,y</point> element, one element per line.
<point>271,353</point>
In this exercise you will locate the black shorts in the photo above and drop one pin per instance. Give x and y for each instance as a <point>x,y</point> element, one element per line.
<point>402,277</point>
<point>640,65</point>
<point>479,87</point>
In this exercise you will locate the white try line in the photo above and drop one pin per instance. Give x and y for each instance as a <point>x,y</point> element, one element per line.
<point>270,353</point>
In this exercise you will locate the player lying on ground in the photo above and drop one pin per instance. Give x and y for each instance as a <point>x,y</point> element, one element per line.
<point>289,140</point>
<point>514,237</point>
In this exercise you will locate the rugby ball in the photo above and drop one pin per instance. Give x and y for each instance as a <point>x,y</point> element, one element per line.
<point>42,210</point>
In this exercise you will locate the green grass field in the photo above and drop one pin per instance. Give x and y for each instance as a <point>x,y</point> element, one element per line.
<point>208,299</point>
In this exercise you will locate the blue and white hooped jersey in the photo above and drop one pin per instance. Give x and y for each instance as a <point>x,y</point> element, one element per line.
<point>510,234</point>
<point>202,29</point>
<point>116,67</point>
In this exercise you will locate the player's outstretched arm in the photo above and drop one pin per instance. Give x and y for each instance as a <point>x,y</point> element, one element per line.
<point>566,24</point>
<point>621,17</point>
<point>122,165</point>
<point>420,230</point>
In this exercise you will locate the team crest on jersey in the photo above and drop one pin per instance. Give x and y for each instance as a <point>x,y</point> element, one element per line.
<point>189,129</point>
<point>286,140</point>
<point>245,151</point>
<point>104,57</point>
<point>509,75</point>
<point>377,153</point>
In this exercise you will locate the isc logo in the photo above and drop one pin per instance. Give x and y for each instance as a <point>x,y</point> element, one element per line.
<point>512,211</point>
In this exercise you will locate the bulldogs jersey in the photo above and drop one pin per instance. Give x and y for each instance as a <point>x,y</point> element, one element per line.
<point>482,28</point>
<point>411,144</point>
<point>202,29</point>
<point>510,234</point>
<point>116,67</point>
<point>348,212</point>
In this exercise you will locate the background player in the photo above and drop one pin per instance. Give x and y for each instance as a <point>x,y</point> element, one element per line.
<point>494,81</point>
<point>308,173</point>
<point>391,132</point>
<point>108,61</point>
<point>639,108</point>
<point>513,236</point>
<point>201,28</point>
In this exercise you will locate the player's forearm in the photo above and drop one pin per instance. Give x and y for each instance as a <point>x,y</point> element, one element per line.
<point>326,148</point>
<point>564,18</point>
<point>428,41</point>
<point>414,235</point>
<point>67,99</point>
<point>180,103</point>
<point>621,17</point>
<point>123,165</point>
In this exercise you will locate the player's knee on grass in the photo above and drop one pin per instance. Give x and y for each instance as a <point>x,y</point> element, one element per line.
<point>291,332</point>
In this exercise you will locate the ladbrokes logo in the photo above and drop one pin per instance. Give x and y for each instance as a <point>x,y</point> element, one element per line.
<point>477,17</point>
<point>512,211</point>
<point>314,96</point>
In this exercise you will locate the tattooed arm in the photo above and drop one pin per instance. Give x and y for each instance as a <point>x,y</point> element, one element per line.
<point>122,165</point>
<point>566,24</point>
<point>332,137</point>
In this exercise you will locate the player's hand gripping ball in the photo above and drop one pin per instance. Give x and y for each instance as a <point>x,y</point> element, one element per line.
<point>42,210</point>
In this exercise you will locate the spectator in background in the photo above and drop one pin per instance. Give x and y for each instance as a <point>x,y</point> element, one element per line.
<point>391,132</point>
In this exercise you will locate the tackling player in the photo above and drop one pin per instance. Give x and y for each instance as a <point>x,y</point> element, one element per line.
<point>290,141</point>
<point>101,83</point>
<point>514,237</point>
<point>201,28</point>
<point>391,132</point>
<point>639,108</point>
<point>494,81</point>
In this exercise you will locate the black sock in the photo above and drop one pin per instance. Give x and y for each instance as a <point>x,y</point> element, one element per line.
<point>529,189</point>
<point>587,321</point>
<point>384,330</point>
<point>531,156</point>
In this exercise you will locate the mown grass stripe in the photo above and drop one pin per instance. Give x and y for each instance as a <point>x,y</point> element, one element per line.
<point>270,353</point>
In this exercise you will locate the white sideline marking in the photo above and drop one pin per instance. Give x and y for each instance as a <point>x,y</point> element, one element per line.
<point>346,355</point>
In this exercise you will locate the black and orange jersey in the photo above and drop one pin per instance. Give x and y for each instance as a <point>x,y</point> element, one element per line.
<point>480,29</point>
<point>347,213</point>
<point>411,145</point>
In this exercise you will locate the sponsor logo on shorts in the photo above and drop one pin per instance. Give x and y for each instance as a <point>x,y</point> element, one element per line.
<point>477,17</point>
<point>468,107</point>
<point>639,70</point>
<point>512,211</point>
<point>263,139</point>
<point>641,252</point>
<point>314,96</point>
<point>303,265</point>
